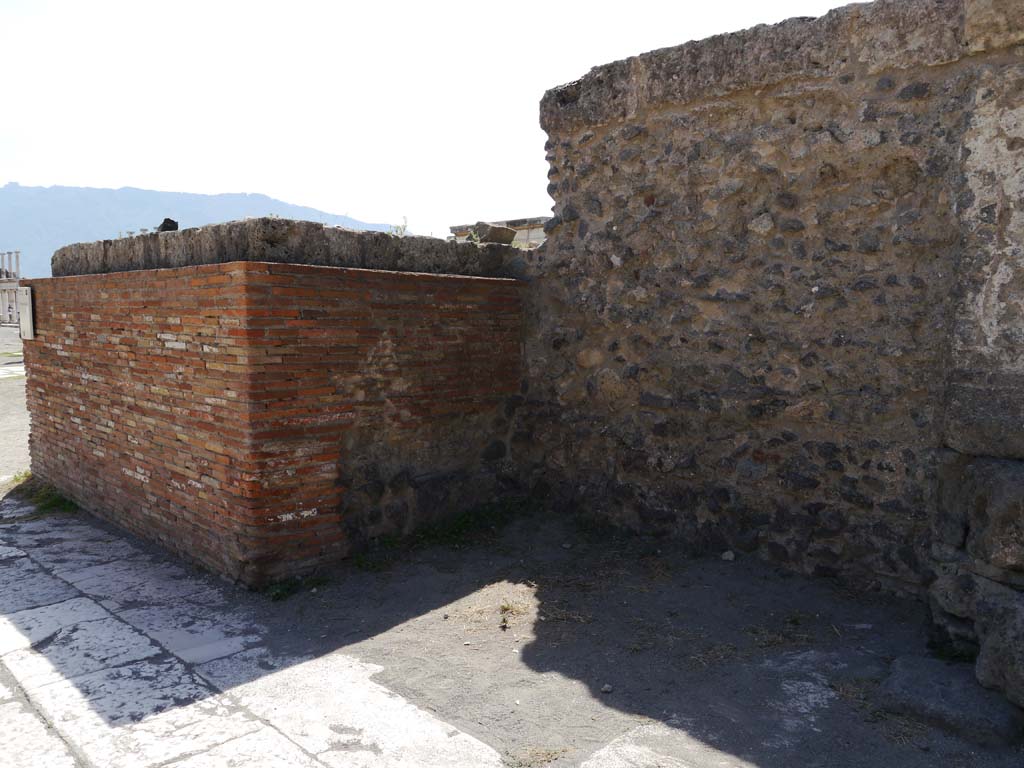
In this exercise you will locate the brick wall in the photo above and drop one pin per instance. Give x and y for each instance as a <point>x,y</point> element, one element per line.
<point>378,399</point>
<point>226,410</point>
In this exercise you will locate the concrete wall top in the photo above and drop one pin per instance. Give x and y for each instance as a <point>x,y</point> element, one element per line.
<point>291,242</point>
<point>879,36</point>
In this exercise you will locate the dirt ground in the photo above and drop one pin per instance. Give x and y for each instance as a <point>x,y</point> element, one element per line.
<point>552,641</point>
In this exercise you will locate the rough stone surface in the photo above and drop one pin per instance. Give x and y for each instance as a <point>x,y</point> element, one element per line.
<point>287,241</point>
<point>981,511</point>
<point>977,601</point>
<point>874,37</point>
<point>986,409</point>
<point>781,294</point>
<point>748,290</point>
<point>1000,625</point>
<point>493,233</point>
<point>949,695</point>
<point>27,741</point>
<point>992,24</point>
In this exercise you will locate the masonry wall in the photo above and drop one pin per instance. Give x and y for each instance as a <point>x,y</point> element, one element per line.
<point>237,413</point>
<point>777,249</point>
<point>379,400</point>
<point>137,393</point>
<point>779,298</point>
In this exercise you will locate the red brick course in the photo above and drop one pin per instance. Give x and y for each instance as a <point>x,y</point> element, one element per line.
<point>220,410</point>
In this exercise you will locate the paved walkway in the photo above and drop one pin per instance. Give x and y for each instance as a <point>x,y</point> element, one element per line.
<point>114,659</point>
<point>13,414</point>
<point>12,370</point>
<point>542,646</point>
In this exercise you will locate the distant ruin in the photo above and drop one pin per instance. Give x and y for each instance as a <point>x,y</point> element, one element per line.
<point>10,273</point>
<point>529,232</point>
<point>778,311</point>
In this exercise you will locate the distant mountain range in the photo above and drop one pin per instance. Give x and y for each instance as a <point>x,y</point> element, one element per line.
<point>39,220</point>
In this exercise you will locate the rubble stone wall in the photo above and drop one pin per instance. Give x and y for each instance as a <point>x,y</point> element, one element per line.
<point>780,296</point>
<point>287,241</point>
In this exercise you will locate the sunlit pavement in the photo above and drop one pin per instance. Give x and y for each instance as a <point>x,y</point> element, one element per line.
<point>116,660</point>
<point>14,421</point>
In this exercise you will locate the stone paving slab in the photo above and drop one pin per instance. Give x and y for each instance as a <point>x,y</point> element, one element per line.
<point>197,629</point>
<point>355,722</point>
<point>142,714</point>
<point>9,553</point>
<point>69,546</point>
<point>25,740</point>
<point>138,580</point>
<point>101,635</point>
<point>33,626</point>
<point>24,584</point>
<point>12,508</point>
<point>654,744</point>
<point>255,750</point>
<point>14,420</point>
<point>82,648</point>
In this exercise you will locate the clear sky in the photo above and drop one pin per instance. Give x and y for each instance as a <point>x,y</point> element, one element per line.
<point>378,110</point>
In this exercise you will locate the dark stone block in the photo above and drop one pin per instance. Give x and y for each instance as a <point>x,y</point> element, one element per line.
<point>947,695</point>
<point>494,451</point>
<point>984,414</point>
<point>914,91</point>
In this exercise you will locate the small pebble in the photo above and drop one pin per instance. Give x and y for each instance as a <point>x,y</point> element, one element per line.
<point>729,555</point>
<point>606,688</point>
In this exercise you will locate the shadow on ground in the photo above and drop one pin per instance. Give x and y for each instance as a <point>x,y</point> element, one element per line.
<point>554,644</point>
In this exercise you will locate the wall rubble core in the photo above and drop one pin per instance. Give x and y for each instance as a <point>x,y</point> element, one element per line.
<point>778,311</point>
<point>780,301</point>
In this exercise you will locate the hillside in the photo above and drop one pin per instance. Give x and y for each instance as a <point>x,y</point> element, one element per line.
<point>39,220</point>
